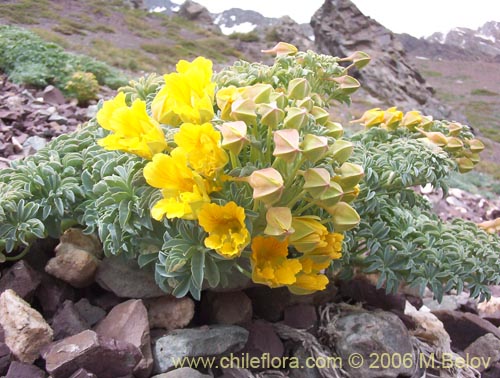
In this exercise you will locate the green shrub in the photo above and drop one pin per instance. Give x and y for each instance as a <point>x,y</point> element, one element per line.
<point>252,36</point>
<point>83,86</point>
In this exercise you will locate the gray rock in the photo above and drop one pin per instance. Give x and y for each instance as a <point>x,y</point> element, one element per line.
<point>5,357</point>
<point>126,280</point>
<point>35,142</point>
<point>59,119</point>
<point>82,373</point>
<point>236,373</point>
<point>194,11</point>
<point>300,353</point>
<point>449,302</point>
<point>21,278</point>
<point>92,314</point>
<point>52,95</point>
<point>24,370</point>
<point>106,358</point>
<point>196,342</point>
<point>184,372</point>
<point>486,347</point>
<point>369,333</point>
<point>91,111</point>
<point>128,322</point>
<point>26,332</point>
<point>227,308</point>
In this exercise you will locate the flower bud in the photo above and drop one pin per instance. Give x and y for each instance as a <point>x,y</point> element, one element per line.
<point>280,99</point>
<point>296,118</point>
<point>309,233</point>
<point>320,115</point>
<point>279,222</point>
<point>426,122</point>
<point>244,110</point>
<point>267,185</point>
<point>491,226</point>
<point>298,88</point>
<point>234,136</point>
<point>225,98</point>
<point>317,181</point>
<point>271,114</point>
<point>351,195</point>
<point>392,118</point>
<point>349,175</point>
<point>344,217</point>
<point>454,144</point>
<point>314,147</point>
<point>165,117</point>
<point>341,150</point>
<point>359,59</point>
<point>464,164</point>
<point>282,48</point>
<point>474,157</point>
<point>332,195</point>
<point>475,145</point>
<point>370,118</point>
<point>347,84</point>
<point>454,128</point>
<point>335,129</point>
<point>286,144</point>
<point>307,103</point>
<point>436,137</point>
<point>411,119</point>
<point>258,93</point>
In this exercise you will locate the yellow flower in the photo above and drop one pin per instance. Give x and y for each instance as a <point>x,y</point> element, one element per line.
<point>201,144</point>
<point>184,190</point>
<point>308,283</point>
<point>187,95</point>
<point>333,247</point>
<point>225,225</point>
<point>372,117</point>
<point>309,234</point>
<point>225,98</point>
<point>132,129</point>
<point>270,265</point>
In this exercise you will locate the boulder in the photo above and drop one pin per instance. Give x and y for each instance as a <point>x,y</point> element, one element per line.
<point>128,322</point>
<point>227,307</point>
<point>92,314</point>
<point>68,322</point>
<point>26,332</point>
<point>197,342</point>
<point>428,328</point>
<point>24,370</point>
<point>487,348</point>
<point>106,358</point>
<point>263,339</point>
<point>76,267</point>
<point>21,278</point>
<point>193,11</point>
<point>52,293</point>
<point>169,312</point>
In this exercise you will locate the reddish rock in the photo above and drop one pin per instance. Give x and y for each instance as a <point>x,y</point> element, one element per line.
<point>128,322</point>
<point>169,312</point>
<point>236,373</point>
<point>269,304</point>
<point>492,372</point>
<point>52,95</point>
<point>92,314</point>
<point>68,322</point>
<point>185,372</point>
<point>23,370</point>
<point>106,300</point>
<point>106,358</point>
<point>5,357</point>
<point>82,373</point>
<point>465,328</point>
<point>263,339</point>
<point>52,293</point>
<point>26,332</point>
<point>227,307</point>
<point>301,316</point>
<point>21,278</point>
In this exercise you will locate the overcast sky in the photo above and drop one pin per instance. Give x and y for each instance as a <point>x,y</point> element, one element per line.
<point>416,17</point>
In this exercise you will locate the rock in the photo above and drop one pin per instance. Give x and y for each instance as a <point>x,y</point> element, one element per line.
<point>301,316</point>
<point>195,12</point>
<point>486,347</point>
<point>5,357</point>
<point>91,111</point>
<point>369,333</point>
<point>26,332</point>
<point>52,293</point>
<point>76,267</point>
<point>263,339</point>
<point>361,290</point>
<point>269,304</point>
<point>184,372</point>
<point>286,29</point>
<point>300,353</point>
<point>128,322</point>
<point>465,328</point>
<point>126,280</point>
<point>82,373</point>
<point>23,370</point>
<point>52,95</point>
<point>493,372</point>
<point>227,308</point>
<point>169,312</point>
<point>449,302</point>
<point>74,238</point>
<point>236,373</point>
<point>21,278</point>
<point>490,310</point>
<point>35,143</point>
<point>92,314</point>
<point>59,119</point>
<point>195,342</point>
<point>340,29</point>
<point>428,328</point>
<point>68,322</point>
<point>106,358</point>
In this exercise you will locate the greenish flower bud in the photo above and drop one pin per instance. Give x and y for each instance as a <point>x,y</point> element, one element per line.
<point>359,58</point>
<point>347,84</point>
<point>465,164</point>
<point>314,147</point>
<point>335,129</point>
<point>344,217</point>
<point>234,136</point>
<point>306,103</point>
<point>454,144</point>
<point>271,114</point>
<point>332,195</point>
<point>286,144</point>
<point>316,181</point>
<point>280,99</point>
<point>341,150</point>
<point>244,110</point>
<point>475,145</point>
<point>258,93</point>
<point>299,88</point>
<point>282,48</point>
<point>267,185</point>
<point>349,175</point>
<point>320,115</point>
<point>454,129</point>
<point>296,118</point>
<point>279,222</point>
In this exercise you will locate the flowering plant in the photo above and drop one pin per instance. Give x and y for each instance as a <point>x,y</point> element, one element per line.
<point>257,171</point>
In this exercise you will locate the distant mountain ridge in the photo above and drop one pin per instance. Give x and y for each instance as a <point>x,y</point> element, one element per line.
<point>458,44</point>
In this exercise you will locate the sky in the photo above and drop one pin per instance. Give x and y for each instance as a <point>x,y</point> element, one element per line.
<point>416,17</point>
